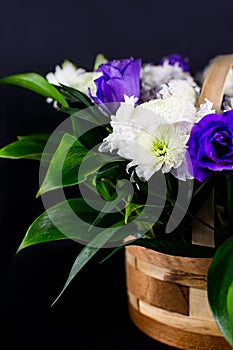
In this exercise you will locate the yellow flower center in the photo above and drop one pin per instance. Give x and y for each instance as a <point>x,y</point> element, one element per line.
<point>159,148</point>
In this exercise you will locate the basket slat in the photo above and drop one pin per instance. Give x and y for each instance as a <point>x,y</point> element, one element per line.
<point>189,265</point>
<point>151,290</point>
<point>164,307</point>
<point>178,338</point>
<point>198,304</point>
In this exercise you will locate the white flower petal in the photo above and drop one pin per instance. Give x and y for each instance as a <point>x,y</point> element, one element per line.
<point>148,140</point>
<point>204,109</point>
<point>152,75</point>
<point>68,74</point>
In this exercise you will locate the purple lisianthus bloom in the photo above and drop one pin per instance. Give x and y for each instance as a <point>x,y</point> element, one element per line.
<point>210,145</point>
<point>120,77</point>
<point>175,58</point>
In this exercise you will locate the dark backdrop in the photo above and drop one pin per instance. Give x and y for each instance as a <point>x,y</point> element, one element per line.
<point>35,36</point>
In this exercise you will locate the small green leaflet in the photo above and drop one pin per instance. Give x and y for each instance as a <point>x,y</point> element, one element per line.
<point>28,147</point>
<point>36,83</point>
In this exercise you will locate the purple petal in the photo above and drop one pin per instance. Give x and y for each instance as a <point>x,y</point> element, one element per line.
<point>176,58</point>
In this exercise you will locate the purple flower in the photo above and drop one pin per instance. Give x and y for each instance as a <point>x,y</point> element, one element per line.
<point>210,145</point>
<point>175,58</point>
<point>120,77</point>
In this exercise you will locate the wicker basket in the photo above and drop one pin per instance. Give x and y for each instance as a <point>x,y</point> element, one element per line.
<point>167,294</point>
<point>168,299</point>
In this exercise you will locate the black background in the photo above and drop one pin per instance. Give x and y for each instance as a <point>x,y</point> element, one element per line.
<point>35,36</point>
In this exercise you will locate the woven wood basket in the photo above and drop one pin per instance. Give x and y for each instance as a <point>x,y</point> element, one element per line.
<point>168,299</point>
<point>167,294</point>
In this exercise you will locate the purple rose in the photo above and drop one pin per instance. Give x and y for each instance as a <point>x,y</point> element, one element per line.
<point>120,77</point>
<point>176,58</point>
<point>210,145</point>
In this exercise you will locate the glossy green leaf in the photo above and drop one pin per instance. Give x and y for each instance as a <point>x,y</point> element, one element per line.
<point>64,165</point>
<point>105,188</point>
<point>113,170</point>
<point>36,83</point>
<point>220,288</point>
<point>51,224</point>
<point>75,95</point>
<point>29,147</point>
<point>88,252</point>
<point>71,219</point>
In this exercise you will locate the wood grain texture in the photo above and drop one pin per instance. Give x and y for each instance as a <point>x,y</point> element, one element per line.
<point>198,266</point>
<point>178,338</point>
<point>176,320</point>
<point>213,86</point>
<point>168,296</point>
<point>169,311</point>
<point>198,304</point>
<point>168,275</point>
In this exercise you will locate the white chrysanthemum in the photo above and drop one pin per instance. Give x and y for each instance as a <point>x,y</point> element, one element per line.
<point>179,104</point>
<point>179,88</point>
<point>161,150</point>
<point>172,109</point>
<point>68,74</point>
<point>152,76</point>
<point>149,141</point>
<point>204,109</point>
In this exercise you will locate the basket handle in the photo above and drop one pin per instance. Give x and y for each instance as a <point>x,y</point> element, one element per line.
<point>213,86</point>
<point>213,90</point>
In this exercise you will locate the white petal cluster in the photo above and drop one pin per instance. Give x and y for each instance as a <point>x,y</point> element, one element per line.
<point>153,135</point>
<point>153,75</point>
<point>68,74</point>
<point>180,89</point>
<point>204,109</point>
<point>149,141</point>
<point>172,109</point>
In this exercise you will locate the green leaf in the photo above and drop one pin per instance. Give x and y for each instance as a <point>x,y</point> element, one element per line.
<point>100,59</point>
<point>131,208</point>
<point>64,165</point>
<point>50,224</point>
<point>70,110</point>
<point>220,288</point>
<point>113,170</point>
<point>29,147</point>
<point>112,202</point>
<point>71,219</point>
<point>75,95</point>
<point>106,189</point>
<point>36,83</point>
<point>87,253</point>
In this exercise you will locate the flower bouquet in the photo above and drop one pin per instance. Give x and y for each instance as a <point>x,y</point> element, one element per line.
<point>146,151</point>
